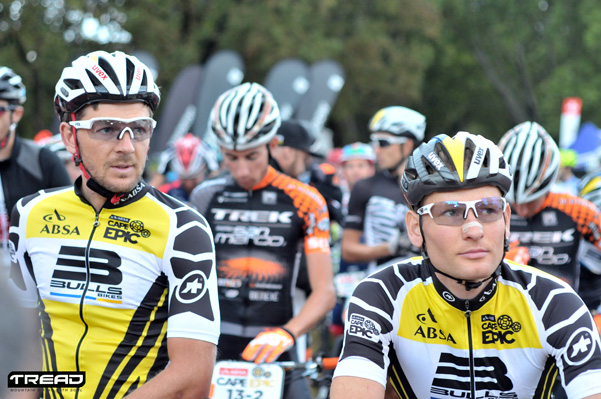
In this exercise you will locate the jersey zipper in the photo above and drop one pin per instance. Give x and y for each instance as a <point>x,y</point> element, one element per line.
<point>468,314</point>
<point>83,294</point>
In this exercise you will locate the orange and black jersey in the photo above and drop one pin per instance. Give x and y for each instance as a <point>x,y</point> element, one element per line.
<point>510,341</point>
<point>260,235</point>
<point>553,236</point>
<point>112,286</point>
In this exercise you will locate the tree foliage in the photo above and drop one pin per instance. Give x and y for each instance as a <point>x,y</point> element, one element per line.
<point>476,65</point>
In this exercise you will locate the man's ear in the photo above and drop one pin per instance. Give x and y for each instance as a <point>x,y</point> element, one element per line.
<point>413,230</point>
<point>273,143</point>
<point>68,137</point>
<point>17,114</point>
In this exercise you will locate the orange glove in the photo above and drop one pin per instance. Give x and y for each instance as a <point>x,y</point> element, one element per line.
<point>597,319</point>
<point>268,345</point>
<point>518,254</point>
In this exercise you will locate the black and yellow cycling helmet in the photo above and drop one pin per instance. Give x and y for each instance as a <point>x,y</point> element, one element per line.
<point>453,163</point>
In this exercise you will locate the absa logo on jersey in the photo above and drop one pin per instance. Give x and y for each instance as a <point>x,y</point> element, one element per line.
<point>53,227</point>
<point>431,333</point>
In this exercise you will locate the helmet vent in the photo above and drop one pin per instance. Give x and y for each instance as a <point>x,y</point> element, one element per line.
<point>73,84</point>
<point>98,86</point>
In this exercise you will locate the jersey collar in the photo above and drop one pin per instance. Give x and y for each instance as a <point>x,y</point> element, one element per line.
<point>267,179</point>
<point>460,303</point>
<point>119,200</point>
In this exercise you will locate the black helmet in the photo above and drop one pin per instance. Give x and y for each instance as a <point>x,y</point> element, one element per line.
<point>12,88</point>
<point>101,76</point>
<point>453,163</point>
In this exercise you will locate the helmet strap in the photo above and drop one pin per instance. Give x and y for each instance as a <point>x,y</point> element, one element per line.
<point>468,284</point>
<point>5,140</point>
<point>91,182</point>
<point>11,129</point>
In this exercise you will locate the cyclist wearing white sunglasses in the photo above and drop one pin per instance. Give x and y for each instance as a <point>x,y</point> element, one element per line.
<point>123,275</point>
<point>461,321</point>
<point>374,227</point>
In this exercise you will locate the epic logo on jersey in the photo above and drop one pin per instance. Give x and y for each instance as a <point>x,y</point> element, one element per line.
<point>499,330</point>
<point>364,327</point>
<point>126,229</point>
<point>104,275</point>
<point>53,227</point>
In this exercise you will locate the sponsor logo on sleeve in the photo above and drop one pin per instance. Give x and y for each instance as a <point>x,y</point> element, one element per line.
<point>192,288</point>
<point>580,346</point>
<point>364,327</point>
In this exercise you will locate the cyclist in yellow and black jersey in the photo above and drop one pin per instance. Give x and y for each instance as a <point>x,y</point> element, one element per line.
<point>460,321</point>
<point>122,275</point>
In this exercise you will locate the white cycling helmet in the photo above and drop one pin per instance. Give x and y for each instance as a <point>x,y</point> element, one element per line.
<point>104,77</point>
<point>12,88</point>
<point>244,117</point>
<point>589,188</point>
<point>400,121</point>
<point>534,160</point>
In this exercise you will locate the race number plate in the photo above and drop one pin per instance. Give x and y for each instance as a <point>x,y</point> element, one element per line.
<point>246,380</point>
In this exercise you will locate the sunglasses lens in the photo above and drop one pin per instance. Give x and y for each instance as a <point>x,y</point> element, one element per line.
<point>452,213</point>
<point>448,213</point>
<point>490,209</point>
<point>109,130</point>
<point>380,143</point>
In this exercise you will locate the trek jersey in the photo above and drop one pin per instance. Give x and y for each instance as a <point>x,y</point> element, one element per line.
<point>553,235</point>
<point>508,342</point>
<point>111,286</point>
<point>260,235</point>
<point>377,209</point>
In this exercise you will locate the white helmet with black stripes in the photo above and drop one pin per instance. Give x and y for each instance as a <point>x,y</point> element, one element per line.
<point>534,159</point>
<point>245,117</point>
<point>104,77</point>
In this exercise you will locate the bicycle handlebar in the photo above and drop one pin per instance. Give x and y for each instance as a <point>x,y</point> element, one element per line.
<point>323,363</point>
